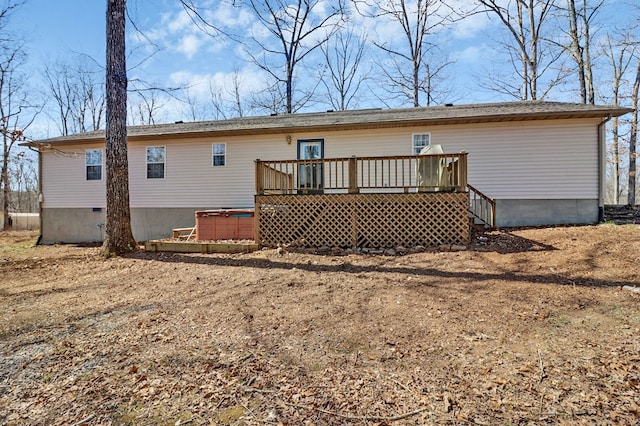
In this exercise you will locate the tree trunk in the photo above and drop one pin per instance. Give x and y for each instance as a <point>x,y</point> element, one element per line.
<point>533,59</point>
<point>289,94</point>
<point>118,235</point>
<point>577,50</point>
<point>616,160</point>
<point>5,185</point>
<point>588,71</point>
<point>416,83</point>
<point>289,85</point>
<point>631,198</point>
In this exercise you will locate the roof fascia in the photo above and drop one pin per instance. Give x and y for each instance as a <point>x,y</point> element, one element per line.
<point>382,124</point>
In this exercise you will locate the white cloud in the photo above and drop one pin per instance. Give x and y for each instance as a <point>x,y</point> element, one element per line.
<point>199,85</point>
<point>229,16</point>
<point>470,54</point>
<point>180,22</point>
<point>189,45</point>
<point>471,26</point>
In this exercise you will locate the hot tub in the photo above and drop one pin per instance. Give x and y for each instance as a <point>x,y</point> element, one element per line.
<point>224,225</point>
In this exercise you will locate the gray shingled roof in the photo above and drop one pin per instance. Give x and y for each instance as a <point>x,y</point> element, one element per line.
<point>361,119</point>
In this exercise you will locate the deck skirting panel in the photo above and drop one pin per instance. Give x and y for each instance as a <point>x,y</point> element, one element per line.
<point>362,220</point>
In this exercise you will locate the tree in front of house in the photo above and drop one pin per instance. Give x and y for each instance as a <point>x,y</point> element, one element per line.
<point>118,235</point>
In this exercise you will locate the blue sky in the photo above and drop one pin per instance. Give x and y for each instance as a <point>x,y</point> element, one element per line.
<point>189,58</point>
<point>54,27</point>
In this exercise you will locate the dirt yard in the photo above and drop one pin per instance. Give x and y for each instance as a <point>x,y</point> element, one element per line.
<point>531,327</point>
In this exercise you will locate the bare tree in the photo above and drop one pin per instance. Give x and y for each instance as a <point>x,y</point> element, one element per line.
<point>16,115</point>
<point>6,10</point>
<point>238,105</point>
<point>530,54</point>
<point>118,235</point>
<point>17,111</point>
<point>197,14</point>
<point>194,109</point>
<point>580,16</point>
<point>146,106</point>
<point>92,100</point>
<point>296,30</point>
<point>620,55</point>
<point>13,100</point>
<point>228,102</point>
<point>24,179</point>
<point>343,76</point>
<point>416,66</point>
<point>633,138</point>
<point>271,99</point>
<point>217,100</point>
<point>77,88</point>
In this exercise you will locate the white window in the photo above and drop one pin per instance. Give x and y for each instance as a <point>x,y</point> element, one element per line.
<point>155,162</point>
<point>219,154</point>
<point>420,141</point>
<point>93,164</point>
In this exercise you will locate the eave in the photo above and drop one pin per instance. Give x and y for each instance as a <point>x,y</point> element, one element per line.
<point>353,120</point>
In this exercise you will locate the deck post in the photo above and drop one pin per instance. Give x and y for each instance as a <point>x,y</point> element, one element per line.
<point>353,175</point>
<point>256,223</point>
<point>461,184</point>
<point>259,178</point>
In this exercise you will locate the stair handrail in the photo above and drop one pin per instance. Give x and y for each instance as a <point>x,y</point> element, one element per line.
<point>482,206</point>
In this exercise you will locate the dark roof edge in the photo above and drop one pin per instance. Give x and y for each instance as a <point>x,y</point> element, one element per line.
<point>353,120</point>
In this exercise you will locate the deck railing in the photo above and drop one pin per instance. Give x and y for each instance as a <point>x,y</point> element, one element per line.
<point>407,173</point>
<point>482,207</point>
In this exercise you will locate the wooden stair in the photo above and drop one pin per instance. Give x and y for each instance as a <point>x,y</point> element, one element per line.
<point>482,208</point>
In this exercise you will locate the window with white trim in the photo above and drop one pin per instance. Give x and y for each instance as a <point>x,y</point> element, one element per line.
<point>155,162</point>
<point>420,141</point>
<point>219,154</point>
<point>93,164</point>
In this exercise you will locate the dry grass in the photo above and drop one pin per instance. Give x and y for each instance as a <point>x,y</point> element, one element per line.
<point>530,328</point>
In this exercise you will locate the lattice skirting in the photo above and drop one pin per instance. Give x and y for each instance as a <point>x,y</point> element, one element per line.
<point>363,220</point>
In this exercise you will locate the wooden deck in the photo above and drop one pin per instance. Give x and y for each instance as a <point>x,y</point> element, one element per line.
<point>367,201</point>
<point>353,175</point>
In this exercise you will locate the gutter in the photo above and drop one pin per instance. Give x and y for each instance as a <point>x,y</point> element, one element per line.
<point>602,166</point>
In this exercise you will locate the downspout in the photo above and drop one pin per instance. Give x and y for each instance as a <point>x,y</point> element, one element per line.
<point>602,166</point>
<point>40,199</point>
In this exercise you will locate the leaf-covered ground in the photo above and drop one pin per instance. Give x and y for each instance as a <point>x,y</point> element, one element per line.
<point>526,327</point>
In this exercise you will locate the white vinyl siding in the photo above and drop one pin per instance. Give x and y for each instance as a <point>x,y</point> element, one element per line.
<point>534,160</point>
<point>556,159</point>
<point>194,182</point>
<point>64,181</point>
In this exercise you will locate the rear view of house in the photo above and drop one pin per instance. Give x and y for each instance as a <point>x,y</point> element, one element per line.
<point>542,162</point>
